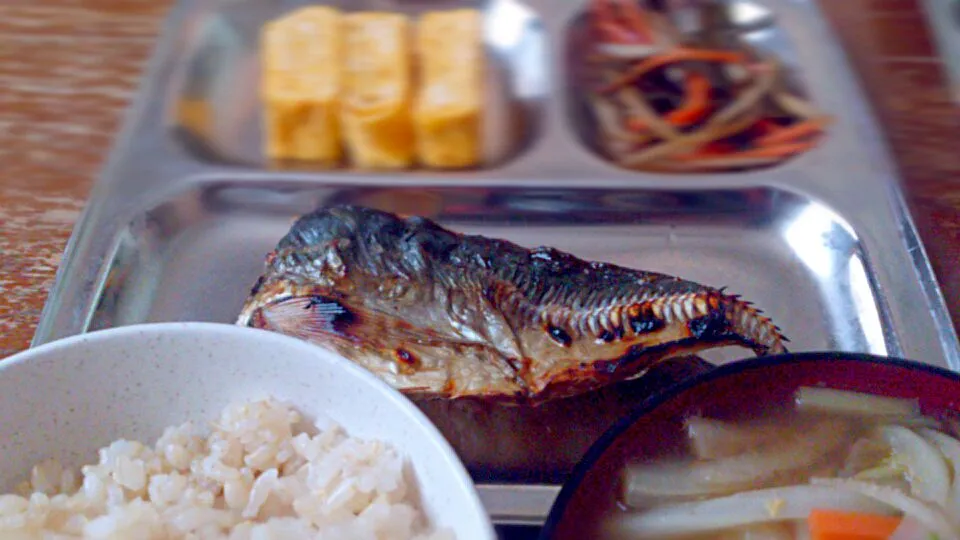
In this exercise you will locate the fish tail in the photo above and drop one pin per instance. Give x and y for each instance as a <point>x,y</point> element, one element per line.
<point>749,324</point>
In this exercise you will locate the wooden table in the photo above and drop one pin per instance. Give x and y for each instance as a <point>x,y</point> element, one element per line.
<point>68,69</point>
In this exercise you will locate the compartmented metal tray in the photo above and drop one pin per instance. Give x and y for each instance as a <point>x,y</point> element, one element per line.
<point>179,223</point>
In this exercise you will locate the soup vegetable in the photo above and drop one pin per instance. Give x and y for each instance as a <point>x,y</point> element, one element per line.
<point>833,465</point>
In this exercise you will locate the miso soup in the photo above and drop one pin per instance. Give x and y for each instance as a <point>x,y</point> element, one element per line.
<point>828,465</point>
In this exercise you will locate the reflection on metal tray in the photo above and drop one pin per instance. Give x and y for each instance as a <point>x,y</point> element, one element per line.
<point>823,243</point>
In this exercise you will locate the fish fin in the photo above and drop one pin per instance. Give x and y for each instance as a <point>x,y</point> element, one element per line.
<point>314,318</point>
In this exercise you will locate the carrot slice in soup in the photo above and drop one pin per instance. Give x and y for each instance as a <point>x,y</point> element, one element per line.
<point>836,525</point>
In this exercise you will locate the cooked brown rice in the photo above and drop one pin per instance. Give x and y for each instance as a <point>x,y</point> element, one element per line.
<point>254,476</point>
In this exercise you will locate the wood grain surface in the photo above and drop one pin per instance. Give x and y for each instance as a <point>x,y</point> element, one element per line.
<point>68,69</point>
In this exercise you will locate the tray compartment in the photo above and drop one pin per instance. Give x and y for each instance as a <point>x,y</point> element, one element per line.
<point>748,23</point>
<point>217,111</point>
<point>193,256</point>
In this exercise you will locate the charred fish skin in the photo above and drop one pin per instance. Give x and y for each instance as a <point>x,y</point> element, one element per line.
<point>441,314</point>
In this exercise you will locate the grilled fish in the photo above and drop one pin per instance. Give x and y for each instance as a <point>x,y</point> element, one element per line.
<point>440,314</point>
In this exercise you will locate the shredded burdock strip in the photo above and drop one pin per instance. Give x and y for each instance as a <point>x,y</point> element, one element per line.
<point>608,118</point>
<point>795,105</point>
<point>746,158</point>
<point>769,122</point>
<point>676,55</point>
<point>691,141</point>
<point>620,52</point>
<point>638,108</point>
<point>751,97</point>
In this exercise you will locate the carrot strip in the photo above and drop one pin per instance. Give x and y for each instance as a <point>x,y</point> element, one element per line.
<point>694,107</point>
<point>782,150</point>
<point>836,525</point>
<point>794,132</point>
<point>697,100</point>
<point>676,55</point>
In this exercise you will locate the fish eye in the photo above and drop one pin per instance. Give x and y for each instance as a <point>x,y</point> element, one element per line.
<point>559,335</point>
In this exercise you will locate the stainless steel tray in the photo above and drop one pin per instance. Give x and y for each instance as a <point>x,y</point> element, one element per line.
<point>177,227</point>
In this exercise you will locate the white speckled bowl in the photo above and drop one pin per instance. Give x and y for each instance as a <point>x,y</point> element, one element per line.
<point>68,398</point>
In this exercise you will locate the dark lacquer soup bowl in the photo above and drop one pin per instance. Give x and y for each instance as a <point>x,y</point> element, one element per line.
<point>812,445</point>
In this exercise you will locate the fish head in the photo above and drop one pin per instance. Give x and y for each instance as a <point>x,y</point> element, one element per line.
<point>420,361</point>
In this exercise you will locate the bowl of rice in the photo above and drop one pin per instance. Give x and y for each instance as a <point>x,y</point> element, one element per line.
<point>197,430</point>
